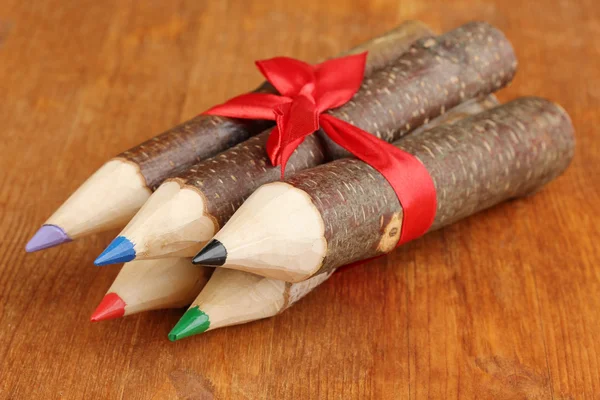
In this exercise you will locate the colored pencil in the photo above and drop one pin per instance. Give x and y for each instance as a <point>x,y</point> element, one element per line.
<point>152,285</point>
<point>116,191</point>
<point>434,76</point>
<point>345,211</point>
<point>233,297</point>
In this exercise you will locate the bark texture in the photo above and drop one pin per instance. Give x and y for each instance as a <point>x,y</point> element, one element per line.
<point>434,75</point>
<point>204,136</point>
<point>430,78</point>
<point>201,137</point>
<point>461,111</point>
<point>507,152</point>
<point>225,181</point>
<point>391,45</point>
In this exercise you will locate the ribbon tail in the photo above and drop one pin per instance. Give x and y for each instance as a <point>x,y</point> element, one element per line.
<point>406,174</point>
<point>287,153</point>
<point>295,121</point>
<point>249,106</point>
<point>279,154</point>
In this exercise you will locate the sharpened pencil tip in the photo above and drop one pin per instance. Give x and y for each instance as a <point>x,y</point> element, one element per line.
<point>214,254</point>
<point>111,306</point>
<point>118,251</point>
<point>193,322</point>
<point>47,236</point>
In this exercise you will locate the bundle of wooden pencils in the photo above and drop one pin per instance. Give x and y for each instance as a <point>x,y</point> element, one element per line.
<point>210,222</point>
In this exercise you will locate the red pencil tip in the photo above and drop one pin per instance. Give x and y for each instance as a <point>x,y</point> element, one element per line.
<point>111,306</point>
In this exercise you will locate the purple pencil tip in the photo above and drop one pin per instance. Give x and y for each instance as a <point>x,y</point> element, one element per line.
<point>47,236</point>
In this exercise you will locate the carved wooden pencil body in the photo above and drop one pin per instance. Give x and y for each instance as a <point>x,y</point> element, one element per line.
<point>233,297</point>
<point>346,211</point>
<point>152,285</point>
<point>435,75</point>
<point>114,193</point>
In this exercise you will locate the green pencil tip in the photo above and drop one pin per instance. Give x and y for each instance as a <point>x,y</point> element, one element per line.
<point>194,321</point>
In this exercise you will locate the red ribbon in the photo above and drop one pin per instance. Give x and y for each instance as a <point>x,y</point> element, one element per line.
<point>306,92</point>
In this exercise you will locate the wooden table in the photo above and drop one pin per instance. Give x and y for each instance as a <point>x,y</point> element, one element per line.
<point>505,304</point>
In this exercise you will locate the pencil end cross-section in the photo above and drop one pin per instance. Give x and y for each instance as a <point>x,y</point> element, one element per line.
<point>118,251</point>
<point>47,236</point>
<point>214,254</point>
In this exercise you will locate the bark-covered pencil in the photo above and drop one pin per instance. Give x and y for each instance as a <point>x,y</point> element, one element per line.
<point>170,283</point>
<point>115,192</point>
<point>435,75</point>
<point>345,211</point>
<point>152,285</point>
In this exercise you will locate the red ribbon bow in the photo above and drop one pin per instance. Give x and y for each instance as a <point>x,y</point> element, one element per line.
<point>306,92</point>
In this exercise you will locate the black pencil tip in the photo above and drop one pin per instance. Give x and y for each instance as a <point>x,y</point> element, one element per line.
<point>214,254</point>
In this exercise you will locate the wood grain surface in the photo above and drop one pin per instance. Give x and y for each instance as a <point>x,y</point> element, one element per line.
<point>502,305</point>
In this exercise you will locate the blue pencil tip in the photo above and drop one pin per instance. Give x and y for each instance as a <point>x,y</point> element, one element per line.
<point>47,236</point>
<point>118,251</point>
